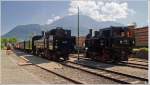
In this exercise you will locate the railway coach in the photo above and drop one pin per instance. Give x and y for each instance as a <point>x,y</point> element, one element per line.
<point>25,46</point>
<point>28,45</point>
<point>20,45</point>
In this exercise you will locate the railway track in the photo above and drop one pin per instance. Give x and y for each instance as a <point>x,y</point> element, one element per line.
<point>27,62</point>
<point>138,60</point>
<point>133,65</point>
<point>106,75</point>
<point>144,65</point>
<point>73,80</point>
<point>128,65</point>
<point>83,79</point>
<point>113,75</point>
<point>85,70</point>
<point>69,79</point>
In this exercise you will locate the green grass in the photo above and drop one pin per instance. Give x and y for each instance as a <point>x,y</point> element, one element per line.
<point>141,49</point>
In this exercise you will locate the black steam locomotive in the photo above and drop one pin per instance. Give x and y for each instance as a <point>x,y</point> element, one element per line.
<point>54,44</point>
<point>113,44</point>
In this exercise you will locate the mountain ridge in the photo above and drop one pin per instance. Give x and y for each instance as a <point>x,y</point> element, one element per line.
<point>24,32</point>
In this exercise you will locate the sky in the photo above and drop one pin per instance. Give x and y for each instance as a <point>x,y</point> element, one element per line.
<point>15,13</point>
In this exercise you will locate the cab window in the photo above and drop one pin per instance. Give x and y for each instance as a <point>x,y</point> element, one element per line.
<point>106,33</point>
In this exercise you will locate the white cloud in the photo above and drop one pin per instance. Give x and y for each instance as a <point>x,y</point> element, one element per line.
<point>101,11</point>
<point>54,18</point>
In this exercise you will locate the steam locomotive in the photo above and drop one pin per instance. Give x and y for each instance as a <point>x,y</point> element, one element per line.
<point>55,44</point>
<point>113,44</point>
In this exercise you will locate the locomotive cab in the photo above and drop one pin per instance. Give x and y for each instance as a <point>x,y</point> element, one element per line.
<point>119,36</point>
<point>120,40</point>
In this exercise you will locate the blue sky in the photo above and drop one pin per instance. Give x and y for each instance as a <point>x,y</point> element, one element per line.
<point>15,13</point>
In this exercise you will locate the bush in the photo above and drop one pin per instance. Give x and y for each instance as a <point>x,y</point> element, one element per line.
<point>4,41</point>
<point>144,49</point>
<point>141,53</point>
<point>2,47</point>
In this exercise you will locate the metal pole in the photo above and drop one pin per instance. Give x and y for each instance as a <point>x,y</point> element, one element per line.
<point>78,33</point>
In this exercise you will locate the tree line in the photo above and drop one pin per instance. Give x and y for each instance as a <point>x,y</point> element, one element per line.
<point>4,41</point>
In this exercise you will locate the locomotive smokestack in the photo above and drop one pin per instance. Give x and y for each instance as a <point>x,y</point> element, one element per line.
<point>90,32</point>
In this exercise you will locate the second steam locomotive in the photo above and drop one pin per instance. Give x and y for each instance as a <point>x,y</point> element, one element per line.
<point>112,44</point>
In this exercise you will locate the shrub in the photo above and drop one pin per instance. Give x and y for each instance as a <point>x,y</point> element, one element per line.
<point>141,53</point>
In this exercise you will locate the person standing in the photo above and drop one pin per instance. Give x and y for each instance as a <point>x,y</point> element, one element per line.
<point>8,50</point>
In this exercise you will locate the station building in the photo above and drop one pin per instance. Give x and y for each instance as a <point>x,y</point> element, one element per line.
<point>141,36</point>
<point>81,41</point>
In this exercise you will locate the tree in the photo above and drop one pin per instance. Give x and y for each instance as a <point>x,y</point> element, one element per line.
<point>4,41</point>
<point>12,40</point>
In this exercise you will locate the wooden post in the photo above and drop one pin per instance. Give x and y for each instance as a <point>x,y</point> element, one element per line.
<point>78,33</point>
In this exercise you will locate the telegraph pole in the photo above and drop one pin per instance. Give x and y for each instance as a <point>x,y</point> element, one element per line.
<point>78,33</point>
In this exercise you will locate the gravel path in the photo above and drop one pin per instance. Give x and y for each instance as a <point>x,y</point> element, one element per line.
<point>13,74</point>
<point>27,74</point>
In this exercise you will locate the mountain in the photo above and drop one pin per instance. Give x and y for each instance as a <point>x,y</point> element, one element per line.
<point>23,32</point>
<point>85,23</point>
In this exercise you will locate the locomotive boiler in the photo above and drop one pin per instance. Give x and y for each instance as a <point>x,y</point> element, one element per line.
<point>113,44</point>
